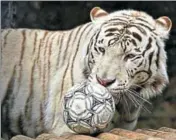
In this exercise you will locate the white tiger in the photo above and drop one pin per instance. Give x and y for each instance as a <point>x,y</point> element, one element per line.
<point>123,51</point>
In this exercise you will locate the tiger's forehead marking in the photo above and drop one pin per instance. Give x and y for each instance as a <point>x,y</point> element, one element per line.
<point>119,34</point>
<point>128,31</point>
<point>135,19</point>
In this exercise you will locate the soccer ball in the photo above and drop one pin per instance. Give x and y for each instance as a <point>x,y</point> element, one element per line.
<point>88,108</point>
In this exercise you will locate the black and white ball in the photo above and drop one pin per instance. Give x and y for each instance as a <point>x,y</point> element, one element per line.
<point>88,108</point>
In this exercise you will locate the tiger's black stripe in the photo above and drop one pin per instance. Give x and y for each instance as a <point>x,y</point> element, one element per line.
<point>109,34</point>
<point>77,51</point>
<point>42,114</point>
<point>134,42</point>
<point>64,74</point>
<point>135,58</point>
<point>139,28</point>
<point>114,24</point>
<point>63,77</point>
<point>20,125</point>
<point>111,30</point>
<point>137,50</point>
<point>5,110</point>
<point>47,46</point>
<point>123,46</point>
<point>49,55</point>
<point>66,47</point>
<point>44,67</point>
<point>96,37</point>
<point>35,41</point>
<point>143,20</point>
<point>62,85</point>
<point>146,27</point>
<point>158,55</point>
<point>37,58</point>
<point>60,45</point>
<point>28,104</point>
<point>21,59</point>
<point>42,103</point>
<point>137,36</point>
<point>5,38</point>
<point>90,44</point>
<point>150,60</point>
<point>140,64</point>
<point>22,47</point>
<point>117,20</point>
<point>148,46</point>
<point>39,52</point>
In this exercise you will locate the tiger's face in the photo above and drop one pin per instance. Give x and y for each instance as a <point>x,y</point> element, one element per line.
<point>127,55</point>
<point>122,59</point>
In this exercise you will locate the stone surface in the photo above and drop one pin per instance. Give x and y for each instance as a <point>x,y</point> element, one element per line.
<point>80,137</point>
<point>21,137</point>
<point>46,136</point>
<point>110,136</point>
<point>163,133</point>
<point>133,135</point>
<point>166,129</point>
<point>158,133</point>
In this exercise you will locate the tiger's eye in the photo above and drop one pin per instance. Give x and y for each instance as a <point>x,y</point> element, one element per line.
<point>112,42</point>
<point>101,49</point>
<point>129,56</point>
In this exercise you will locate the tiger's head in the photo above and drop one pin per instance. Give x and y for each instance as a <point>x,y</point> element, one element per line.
<point>127,52</point>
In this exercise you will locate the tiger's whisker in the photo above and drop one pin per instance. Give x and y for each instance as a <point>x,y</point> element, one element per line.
<point>143,107</point>
<point>128,109</point>
<point>136,100</point>
<point>133,100</point>
<point>137,86</point>
<point>136,94</point>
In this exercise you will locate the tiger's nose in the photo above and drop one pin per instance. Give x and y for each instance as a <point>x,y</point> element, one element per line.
<point>105,82</point>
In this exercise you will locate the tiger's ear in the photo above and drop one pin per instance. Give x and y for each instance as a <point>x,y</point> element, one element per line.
<point>163,25</point>
<point>96,13</point>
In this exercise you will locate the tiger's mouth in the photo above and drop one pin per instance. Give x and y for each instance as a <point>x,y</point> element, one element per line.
<point>118,90</point>
<point>125,90</point>
<point>126,95</point>
<point>130,97</point>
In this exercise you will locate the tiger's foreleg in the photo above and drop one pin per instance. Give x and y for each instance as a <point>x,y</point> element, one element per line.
<point>128,120</point>
<point>54,122</point>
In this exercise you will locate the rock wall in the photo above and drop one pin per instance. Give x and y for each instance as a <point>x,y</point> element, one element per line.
<point>163,133</point>
<point>59,15</point>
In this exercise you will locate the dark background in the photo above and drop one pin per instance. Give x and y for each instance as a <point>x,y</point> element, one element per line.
<point>57,15</point>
